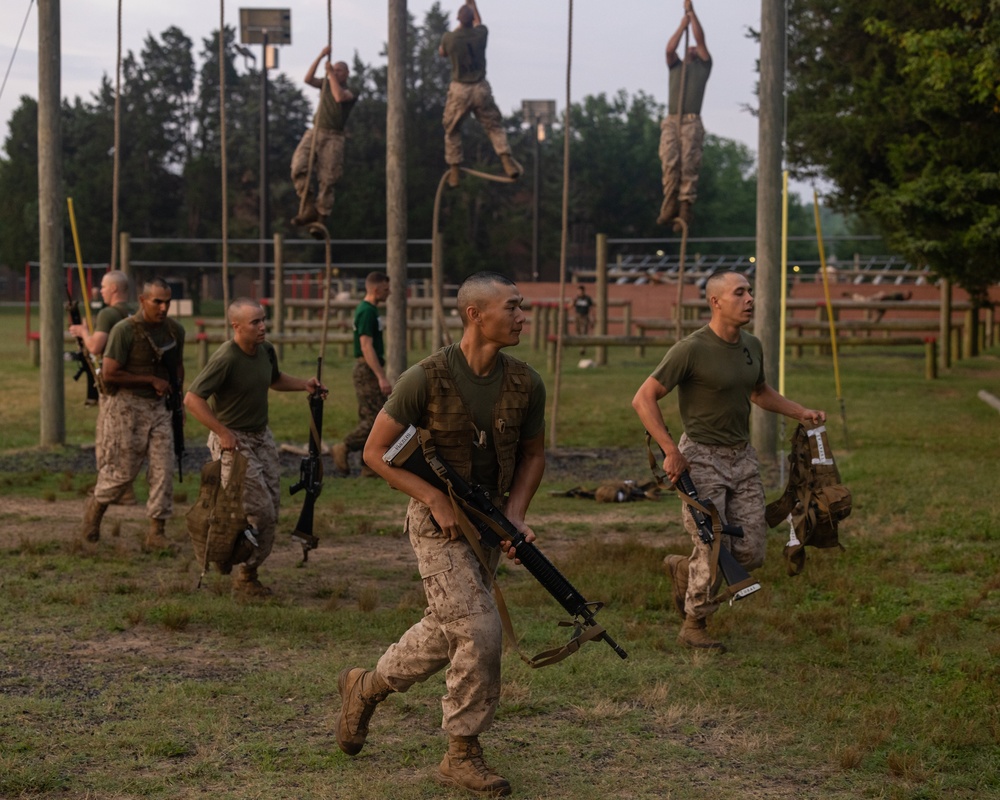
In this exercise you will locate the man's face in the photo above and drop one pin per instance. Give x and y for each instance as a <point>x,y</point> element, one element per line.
<point>732,300</point>
<point>107,289</point>
<point>341,73</point>
<point>250,326</point>
<point>381,292</point>
<point>155,303</point>
<point>501,316</point>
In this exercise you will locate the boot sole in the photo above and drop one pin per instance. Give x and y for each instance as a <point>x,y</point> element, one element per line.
<point>445,780</point>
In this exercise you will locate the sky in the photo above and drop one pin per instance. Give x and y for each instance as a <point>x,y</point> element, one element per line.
<point>527,53</point>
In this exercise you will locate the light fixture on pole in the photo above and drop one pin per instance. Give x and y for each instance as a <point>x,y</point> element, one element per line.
<point>539,114</point>
<point>267,27</point>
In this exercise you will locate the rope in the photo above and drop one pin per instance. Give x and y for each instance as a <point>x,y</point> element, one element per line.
<point>322,90</point>
<point>17,45</point>
<point>222,145</point>
<point>116,169</point>
<point>564,244</point>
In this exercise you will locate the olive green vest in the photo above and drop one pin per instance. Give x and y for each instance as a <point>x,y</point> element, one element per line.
<point>450,422</point>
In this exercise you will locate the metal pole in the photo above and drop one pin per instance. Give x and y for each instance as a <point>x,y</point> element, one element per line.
<point>395,190</point>
<point>52,286</point>
<point>264,182</point>
<point>536,184</point>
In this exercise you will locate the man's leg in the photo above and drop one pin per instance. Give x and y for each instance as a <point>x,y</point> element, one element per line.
<point>455,109</point>
<point>160,455</point>
<point>329,169</point>
<point>489,116</point>
<point>300,177</point>
<point>692,143</point>
<point>670,154</point>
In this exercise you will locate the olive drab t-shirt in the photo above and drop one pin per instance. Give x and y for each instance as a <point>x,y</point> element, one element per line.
<point>466,47</point>
<point>236,385</point>
<point>695,81</point>
<point>167,337</point>
<point>332,116</point>
<point>109,316</point>
<point>714,381</point>
<point>408,403</point>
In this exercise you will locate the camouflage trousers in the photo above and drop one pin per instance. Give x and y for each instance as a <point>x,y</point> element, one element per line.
<point>476,98</point>
<point>730,478</point>
<point>137,429</point>
<point>102,408</point>
<point>680,156</point>
<point>460,629</point>
<point>327,168</point>
<point>261,485</point>
<point>370,402</point>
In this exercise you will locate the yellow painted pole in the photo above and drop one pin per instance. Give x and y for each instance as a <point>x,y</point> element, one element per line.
<point>79,265</point>
<point>829,315</point>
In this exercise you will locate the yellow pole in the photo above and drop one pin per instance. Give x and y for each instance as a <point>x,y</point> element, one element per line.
<point>829,314</point>
<point>79,265</point>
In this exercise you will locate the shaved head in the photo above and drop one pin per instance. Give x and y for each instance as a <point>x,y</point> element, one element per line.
<point>718,281</point>
<point>237,307</point>
<point>479,288</point>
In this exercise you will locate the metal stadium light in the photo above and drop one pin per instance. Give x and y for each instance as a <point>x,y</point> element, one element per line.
<point>539,114</point>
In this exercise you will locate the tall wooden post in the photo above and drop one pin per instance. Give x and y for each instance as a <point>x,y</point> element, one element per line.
<point>601,292</point>
<point>767,288</point>
<point>395,191</point>
<point>51,285</point>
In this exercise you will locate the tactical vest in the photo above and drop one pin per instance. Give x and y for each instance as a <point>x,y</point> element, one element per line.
<point>144,358</point>
<point>814,497</point>
<point>450,421</point>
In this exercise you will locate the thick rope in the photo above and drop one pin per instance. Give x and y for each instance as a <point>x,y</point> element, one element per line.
<point>679,332</point>
<point>222,145</point>
<point>323,89</point>
<point>116,169</point>
<point>564,245</point>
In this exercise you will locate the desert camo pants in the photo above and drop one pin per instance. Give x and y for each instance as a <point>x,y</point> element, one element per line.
<point>460,629</point>
<point>136,430</point>
<point>328,166</point>
<point>261,485</point>
<point>680,156</point>
<point>730,478</point>
<point>476,98</point>
<point>370,402</point>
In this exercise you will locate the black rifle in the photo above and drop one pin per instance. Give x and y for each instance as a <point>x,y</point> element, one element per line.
<point>82,355</point>
<point>741,582</point>
<point>176,405</point>
<point>407,454</point>
<point>310,472</point>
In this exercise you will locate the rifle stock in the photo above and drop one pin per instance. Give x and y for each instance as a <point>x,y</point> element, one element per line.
<point>407,454</point>
<point>741,582</point>
<point>310,473</point>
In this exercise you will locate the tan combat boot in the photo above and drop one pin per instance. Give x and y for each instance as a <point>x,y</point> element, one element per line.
<point>309,213</point>
<point>454,175</point>
<point>247,585</point>
<point>93,513</point>
<point>694,633</point>
<point>339,454</point>
<point>677,569</point>
<point>127,497</point>
<point>686,215</point>
<point>463,766</point>
<point>156,539</point>
<point>510,166</point>
<point>668,210</point>
<point>361,690</point>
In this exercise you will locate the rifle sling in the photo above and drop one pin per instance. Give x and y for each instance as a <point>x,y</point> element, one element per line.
<point>462,513</point>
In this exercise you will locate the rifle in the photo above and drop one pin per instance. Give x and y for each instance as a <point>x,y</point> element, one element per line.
<point>740,582</point>
<point>310,472</point>
<point>408,452</point>
<point>87,366</point>
<point>176,405</point>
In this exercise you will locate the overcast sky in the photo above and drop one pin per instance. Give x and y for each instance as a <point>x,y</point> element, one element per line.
<point>615,46</point>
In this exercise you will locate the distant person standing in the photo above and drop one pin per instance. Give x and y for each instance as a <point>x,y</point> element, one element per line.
<point>335,105</point>
<point>469,91</point>
<point>582,317</point>
<point>114,293</point>
<point>371,386</point>
<point>682,135</point>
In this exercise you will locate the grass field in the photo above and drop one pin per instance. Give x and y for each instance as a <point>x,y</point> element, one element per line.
<point>874,674</point>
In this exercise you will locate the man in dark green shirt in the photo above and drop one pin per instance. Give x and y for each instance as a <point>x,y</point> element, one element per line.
<point>470,92</point>
<point>335,105</point>
<point>370,383</point>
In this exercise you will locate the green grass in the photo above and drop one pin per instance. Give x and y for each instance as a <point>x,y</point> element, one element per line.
<point>874,674</point>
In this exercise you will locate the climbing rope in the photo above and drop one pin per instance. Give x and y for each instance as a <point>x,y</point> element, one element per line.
<point>116,161</point>
<point>322,91</point>
<point>222,145</point>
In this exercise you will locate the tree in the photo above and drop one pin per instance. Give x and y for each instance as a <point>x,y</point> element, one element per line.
<point>898,105</point>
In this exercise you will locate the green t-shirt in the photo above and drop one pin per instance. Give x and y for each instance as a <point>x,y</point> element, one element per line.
<point>168,337</point>
<point>109,315</point>
<point>368,323</point>
<point>408,405</point>
<point>466,47</point>
<point>695,80</point>
<point>714,380</point>
<point>236,385</point>
<point>332,116</point>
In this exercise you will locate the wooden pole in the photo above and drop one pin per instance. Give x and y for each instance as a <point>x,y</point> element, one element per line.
<point>764,424</point>
<point>395,191</point>
<point>601,290</point>
<point>51,286</point>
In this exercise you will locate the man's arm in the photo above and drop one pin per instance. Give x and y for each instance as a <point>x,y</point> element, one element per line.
<point>699,33</point>
<point>115,375</point>
<point>199,408</point>
<point>340,93</point>
<point>289,383</point>
<point>311,78</point>
<point>94,342</point>
<point>371,359</point>
<point>647,405</point>
<point>675,40</point>
<point>767,398</point>
<point>527,478</point>
<point>476,19</point>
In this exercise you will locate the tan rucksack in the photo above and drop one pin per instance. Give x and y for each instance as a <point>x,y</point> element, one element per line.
<point>814,497</point>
